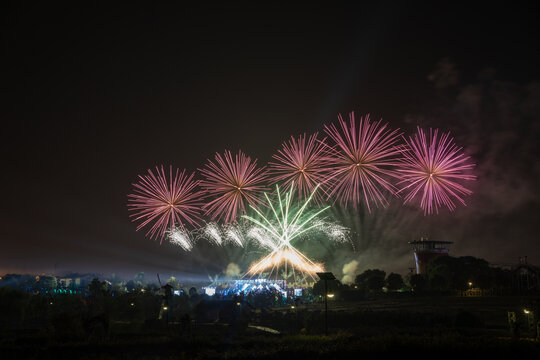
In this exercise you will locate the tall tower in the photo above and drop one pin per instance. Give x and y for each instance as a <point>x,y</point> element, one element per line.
<point>426,250</point>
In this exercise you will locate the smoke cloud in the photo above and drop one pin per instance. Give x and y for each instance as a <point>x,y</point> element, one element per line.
<point>497,123</point>
<point>232,270</point>
<point>349,272</point>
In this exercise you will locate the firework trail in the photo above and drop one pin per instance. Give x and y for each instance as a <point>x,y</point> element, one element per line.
<point>302,161</point>
<point>234,234</point>
<point>335,232</point>
<point>363,160</point>
<point>165,203</point>
<point>180,237</point>
<point>211,232</point>
<point>285,223</point>
<point>431,167</point>
<point>234,183</point>
<point>223,234</point>
<point>263,238</point>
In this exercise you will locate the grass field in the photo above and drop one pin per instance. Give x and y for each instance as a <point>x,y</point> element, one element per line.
<point>442,327</point>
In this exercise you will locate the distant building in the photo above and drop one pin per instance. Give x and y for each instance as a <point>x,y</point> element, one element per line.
<point>525,277</point>
<point>426,250</point>
<point>70,282</point>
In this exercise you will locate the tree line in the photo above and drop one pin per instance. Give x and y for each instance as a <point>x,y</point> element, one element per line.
<point>445,274</point>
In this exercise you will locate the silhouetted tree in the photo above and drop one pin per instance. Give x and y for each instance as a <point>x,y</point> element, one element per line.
<point>130,285</point>
<point>47,282</point>
<point>139,280</point>
<point>440,278</point>
<point>418,283</point>
<point>17,281</point>
<point>140,277</point>
<point>152,287</point>
<point>174,283</point>
<point>372,280</point>
<point>501,278</point>
<point>334,287</point>
<point>455,273</point>
<point>394,282</point>
<point>96,287</point>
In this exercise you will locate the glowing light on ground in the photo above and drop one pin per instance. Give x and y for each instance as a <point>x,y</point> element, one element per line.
<point>289,255</point>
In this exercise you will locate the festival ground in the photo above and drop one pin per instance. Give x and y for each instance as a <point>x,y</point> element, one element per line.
<point>442,326</point>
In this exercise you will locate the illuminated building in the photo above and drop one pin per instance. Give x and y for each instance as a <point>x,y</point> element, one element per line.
<point>426,250</point>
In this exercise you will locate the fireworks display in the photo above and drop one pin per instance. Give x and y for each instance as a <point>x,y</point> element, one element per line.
<point>302,161</point>
<point>165,203</point>
<point>298,263</point>
<point>212,233</point>
<point>234,235</point>
<point>430,168</point>
<point>233,183</point>
<point>363,162</point>
<point>180,237</point>
<point>285,223</point>
<point>262,238</point>
<point>335,232</point>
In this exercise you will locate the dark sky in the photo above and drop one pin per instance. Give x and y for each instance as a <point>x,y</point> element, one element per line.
<point>95,95</point>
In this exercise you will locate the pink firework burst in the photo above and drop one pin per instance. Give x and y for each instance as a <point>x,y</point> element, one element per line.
<point>363,161</point>
<point>432,168</point>
<point>234,183</point>
<point>165,203</point>
<point>302,161</point>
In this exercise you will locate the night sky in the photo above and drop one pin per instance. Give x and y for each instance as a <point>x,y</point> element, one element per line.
<point>94,96</point>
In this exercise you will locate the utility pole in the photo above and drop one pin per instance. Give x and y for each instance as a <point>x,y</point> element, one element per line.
<point>326,276</point>
<point>325,307</point>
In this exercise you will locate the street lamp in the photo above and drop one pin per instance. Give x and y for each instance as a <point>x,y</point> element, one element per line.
<point>326,276</point>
